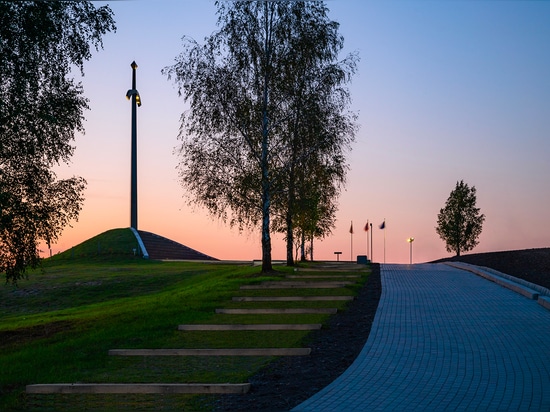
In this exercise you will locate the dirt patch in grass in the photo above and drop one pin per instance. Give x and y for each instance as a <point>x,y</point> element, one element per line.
<point>28,334</point>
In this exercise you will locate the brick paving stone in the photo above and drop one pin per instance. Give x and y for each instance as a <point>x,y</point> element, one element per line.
<point>446,339</point>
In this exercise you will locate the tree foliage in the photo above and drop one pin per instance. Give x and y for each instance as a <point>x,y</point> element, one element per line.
<point>320,129</point>
<point>266,96</point>
<point>460,222</point>
<point>41,108</point>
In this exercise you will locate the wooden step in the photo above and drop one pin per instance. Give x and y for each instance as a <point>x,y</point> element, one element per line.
<point>335,269</point>
<point>296,285</point>
<point>294,311</point>
<point>289,298</point>
<point>212,352</point>
<point>275,326</point>
<point>305,283</point>
<point>323,276</point>
<point>142,388</point>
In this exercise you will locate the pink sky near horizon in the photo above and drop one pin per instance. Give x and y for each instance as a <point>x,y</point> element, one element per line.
<point>445,91</point>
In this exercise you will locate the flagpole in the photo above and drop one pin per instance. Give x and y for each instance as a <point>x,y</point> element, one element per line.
<point>383,227</point>
<point>367,234</point>
<point>371,255</point>
<point>351,236</point>
<point>366,228</point>
<point>384,240</point>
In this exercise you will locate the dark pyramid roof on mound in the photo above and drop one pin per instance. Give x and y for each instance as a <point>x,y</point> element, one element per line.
<point>159,247</point>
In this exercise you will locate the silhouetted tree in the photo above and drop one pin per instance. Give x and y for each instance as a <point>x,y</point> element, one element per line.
<point>309,211</point>
<point>247,87</point>
<point>41,109</point>
<point>460,222</point>
<point>320,130</point>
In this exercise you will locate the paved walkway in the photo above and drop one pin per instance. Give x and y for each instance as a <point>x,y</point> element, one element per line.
<point>446,340</point>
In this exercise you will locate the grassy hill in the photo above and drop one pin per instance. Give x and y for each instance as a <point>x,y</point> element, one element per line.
<point>532,265</point>
<point>58,325</point>
<point>114,243</point>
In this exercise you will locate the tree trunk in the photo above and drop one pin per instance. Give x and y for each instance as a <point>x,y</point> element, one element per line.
<point>266,235</point>
<point>266,202</point>
<point>303,247</point>
<point>289,241</point>
<point>289,227</point>
<point>264,162</point>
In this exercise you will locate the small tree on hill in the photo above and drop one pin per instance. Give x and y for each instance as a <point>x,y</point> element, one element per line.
<point>459,223</point>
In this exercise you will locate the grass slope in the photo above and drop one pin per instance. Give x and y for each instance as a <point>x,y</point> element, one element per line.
<point>118,243</point>
<point>532,265</point>
<point>57,326</point>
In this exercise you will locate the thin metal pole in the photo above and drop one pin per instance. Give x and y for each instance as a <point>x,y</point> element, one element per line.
<point>351,234</point>
<point>367,242</point>
<point>384,241</point>
<point>410,240</point>
<point>371,255</point>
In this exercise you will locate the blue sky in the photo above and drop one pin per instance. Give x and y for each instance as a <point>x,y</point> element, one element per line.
<point>445,91</point>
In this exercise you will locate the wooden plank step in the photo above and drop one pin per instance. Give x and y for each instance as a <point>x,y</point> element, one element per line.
<point>304,283</point>
<point>288,311</point>
<point>212,352</point>
<point>334,269</point>
<point>141,388</point>
<point>289,298</point>
<point>296,285</point>
<point>275,326</point>
<point>323,276</point>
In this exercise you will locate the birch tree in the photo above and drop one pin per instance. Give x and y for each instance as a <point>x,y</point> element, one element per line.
<point>41,109</point>
<point>260,93</point>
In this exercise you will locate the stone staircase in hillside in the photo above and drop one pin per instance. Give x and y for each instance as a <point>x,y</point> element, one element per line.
<point>161,248</point>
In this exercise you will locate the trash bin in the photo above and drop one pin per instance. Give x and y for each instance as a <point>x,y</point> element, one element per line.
<point>362,260</point>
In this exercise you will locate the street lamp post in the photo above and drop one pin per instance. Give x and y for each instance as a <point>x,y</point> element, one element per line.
<point>133,95</point>
<point>410,240</point>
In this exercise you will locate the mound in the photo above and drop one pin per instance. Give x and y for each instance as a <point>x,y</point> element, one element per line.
<point>533,265</point>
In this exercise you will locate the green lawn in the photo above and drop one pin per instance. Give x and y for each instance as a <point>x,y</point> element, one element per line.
<point>57,327</point>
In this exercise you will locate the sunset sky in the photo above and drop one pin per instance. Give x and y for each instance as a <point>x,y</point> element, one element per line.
<point>445,91</point>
